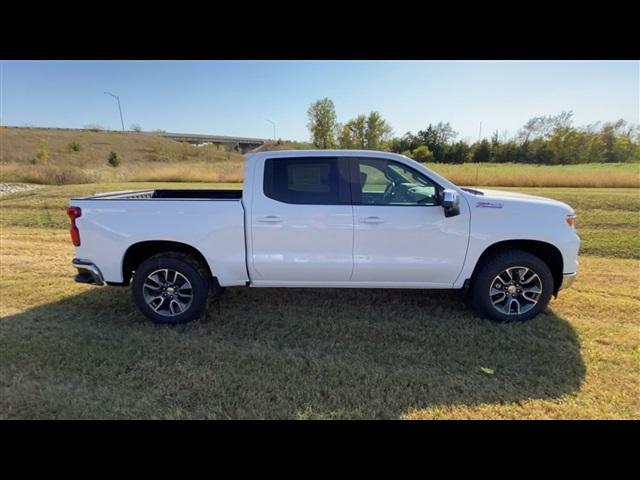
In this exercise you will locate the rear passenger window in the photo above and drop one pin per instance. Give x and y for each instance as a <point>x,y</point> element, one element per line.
<point>318,181</point>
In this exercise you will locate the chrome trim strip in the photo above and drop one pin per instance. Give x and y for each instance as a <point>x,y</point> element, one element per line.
<point>91,268</point>
<point>567,280</point>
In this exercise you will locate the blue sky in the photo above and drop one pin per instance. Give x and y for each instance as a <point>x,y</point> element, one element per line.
<point>235,97</point>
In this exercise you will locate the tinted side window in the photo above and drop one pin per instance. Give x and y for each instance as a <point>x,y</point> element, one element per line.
<point>384,182</point>
<point>314,181</point>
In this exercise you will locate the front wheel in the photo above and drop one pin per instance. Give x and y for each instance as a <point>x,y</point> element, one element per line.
<point>170,288</point>
<point>512,286</point>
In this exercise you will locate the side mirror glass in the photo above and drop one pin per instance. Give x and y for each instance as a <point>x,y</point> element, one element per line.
<point>450,203</point>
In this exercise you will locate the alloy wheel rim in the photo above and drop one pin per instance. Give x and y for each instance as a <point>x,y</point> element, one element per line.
<point>515,290</point>
<point>167,292</point>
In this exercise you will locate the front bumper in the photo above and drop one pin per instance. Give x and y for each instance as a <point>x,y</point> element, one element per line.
<point>567,280</point>
<point>87,272</point>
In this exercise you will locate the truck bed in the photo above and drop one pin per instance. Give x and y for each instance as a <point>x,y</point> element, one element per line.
<point>211,221</point>
<point>186,194</point>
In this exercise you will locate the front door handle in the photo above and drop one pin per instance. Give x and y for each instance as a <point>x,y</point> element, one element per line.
<point>269,219</point>
<point>372,220</point>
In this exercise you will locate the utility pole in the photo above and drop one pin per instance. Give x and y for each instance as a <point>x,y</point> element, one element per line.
<point>478,164</point>
<point>119,108</point>
<point>274,128</point>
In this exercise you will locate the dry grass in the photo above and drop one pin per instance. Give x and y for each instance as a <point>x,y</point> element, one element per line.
<point>145,157</point>
<point>149,157</point>
<point>48,174</point>
<point>224,171</point>
<point>76,351</point>
<point>521,175</point>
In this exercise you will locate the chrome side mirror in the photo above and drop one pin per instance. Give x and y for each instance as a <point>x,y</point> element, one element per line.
<point>450,203</point>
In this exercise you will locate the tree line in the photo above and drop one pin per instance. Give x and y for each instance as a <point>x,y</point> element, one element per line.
<point>550,140</point>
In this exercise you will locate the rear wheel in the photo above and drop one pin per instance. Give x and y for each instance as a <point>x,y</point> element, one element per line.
<point>171,288</point>
<point>512,286</point>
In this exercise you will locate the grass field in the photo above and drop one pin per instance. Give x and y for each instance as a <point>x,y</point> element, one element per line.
<point>145,156</point>
<point>75,351</point>
<point>596,175</point>
<point>150,157</point>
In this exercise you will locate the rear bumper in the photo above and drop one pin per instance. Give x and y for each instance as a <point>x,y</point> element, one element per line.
<point>567,280</point>
<point>87,272</point>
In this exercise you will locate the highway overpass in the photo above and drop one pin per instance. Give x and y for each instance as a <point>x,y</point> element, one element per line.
<point>236,143</point>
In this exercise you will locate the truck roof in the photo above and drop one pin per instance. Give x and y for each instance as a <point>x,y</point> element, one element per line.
<point>325,153</point>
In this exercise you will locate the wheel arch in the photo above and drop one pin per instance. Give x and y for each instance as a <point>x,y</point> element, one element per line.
<point>547,252</point>
<point>139,252</point>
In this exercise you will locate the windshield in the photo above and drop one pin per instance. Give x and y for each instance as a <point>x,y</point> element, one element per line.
<point>399,174</point>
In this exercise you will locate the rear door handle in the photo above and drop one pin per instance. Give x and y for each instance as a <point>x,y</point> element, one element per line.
<point>372,220</point>
<point>269,219</point>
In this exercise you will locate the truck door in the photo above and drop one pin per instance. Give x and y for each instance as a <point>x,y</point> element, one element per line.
<point>301,221</point>
<point>401,235</point>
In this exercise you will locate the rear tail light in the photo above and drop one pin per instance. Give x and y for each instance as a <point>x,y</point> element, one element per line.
<point>74,212</point>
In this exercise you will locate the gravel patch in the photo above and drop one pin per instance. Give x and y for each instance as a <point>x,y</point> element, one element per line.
<point>9,188</point>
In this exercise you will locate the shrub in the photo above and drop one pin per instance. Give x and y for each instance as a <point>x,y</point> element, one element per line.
<point>136,127</point>
<point>422,154</point>
<point>114,159</point>
<point>42,154</point>
<point>187,150</point>
<point>73,146</point>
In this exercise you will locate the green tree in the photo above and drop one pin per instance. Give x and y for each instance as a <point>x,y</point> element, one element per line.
<point>459,152</point>
<point>508,151</point>
<point>345,139</point>
<point>437,138</point>
<point>322,123</point>
<point>618,142</point>
<point>405,143</point>
<point>482,151</point>
<point>366,132</point>
<point>550,139</point>
<point>544,126</point>
<point>354,133</point>
<point>495,141</point>
<point>377,131</point>
<point>422,154</point>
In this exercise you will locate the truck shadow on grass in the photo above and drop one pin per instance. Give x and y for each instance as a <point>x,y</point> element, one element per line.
<point>279,353</point>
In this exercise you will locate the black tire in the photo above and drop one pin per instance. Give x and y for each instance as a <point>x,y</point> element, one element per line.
<point>187,268</point>
<point>482,283</point>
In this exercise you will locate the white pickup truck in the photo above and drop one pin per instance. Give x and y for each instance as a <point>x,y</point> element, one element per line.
<point>327,218</point>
